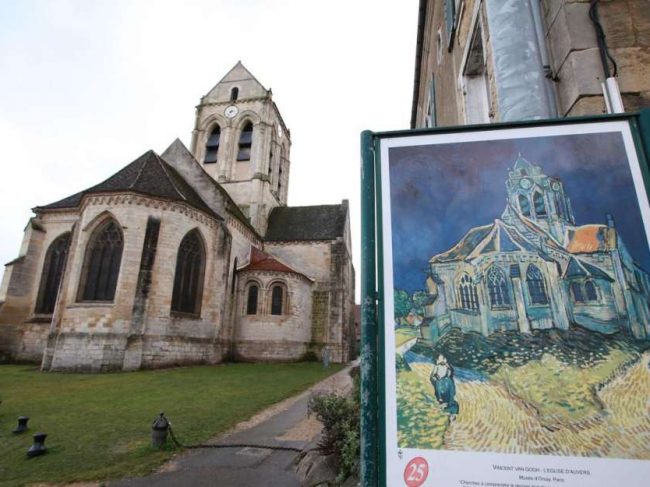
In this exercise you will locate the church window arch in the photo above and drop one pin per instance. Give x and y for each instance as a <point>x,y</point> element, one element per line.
<point>540,206</point>
<point>536,288</point>
<point>497,287</point>
<point>245,143</point>
<point>53,267</point>
<point>188,278</point>
<point>467,295</point>
<point>591,292</point>
<point>524,205</point>
<point>252,298</point>
<point>234,93</point>
<point>278,295</point>
<point>212,146</point>
<point>102,262</point>
<point>576,292</point>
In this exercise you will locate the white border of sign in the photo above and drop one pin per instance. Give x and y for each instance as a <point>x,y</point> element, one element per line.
<point>455,468</point>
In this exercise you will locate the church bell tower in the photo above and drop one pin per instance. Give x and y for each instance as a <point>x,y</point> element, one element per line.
<point>540,198</point>
<point>240,140</point>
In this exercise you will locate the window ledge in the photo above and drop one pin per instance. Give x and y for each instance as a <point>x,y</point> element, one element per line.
<point>91,304</point>
<point>40,318</point>
<point>184,315</point>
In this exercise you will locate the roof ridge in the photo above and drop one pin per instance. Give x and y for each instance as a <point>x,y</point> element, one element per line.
<point>145,157</point>
<point>162,164</point>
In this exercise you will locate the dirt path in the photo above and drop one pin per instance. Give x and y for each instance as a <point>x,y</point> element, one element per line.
<point>493,419</point>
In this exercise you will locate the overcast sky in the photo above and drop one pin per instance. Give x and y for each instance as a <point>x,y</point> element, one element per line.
<point>87,86</point>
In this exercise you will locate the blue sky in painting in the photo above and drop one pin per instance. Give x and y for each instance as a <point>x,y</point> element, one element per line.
<point>438,192</point>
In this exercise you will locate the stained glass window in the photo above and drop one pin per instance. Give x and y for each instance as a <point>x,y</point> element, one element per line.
<point>497,287</point>
<point>467,293</point>
<point>188,279</point>
<point>536,288</point>
<point>277,298</point>
<point>52,272</point>
<point>103,258</point>
<point>251,303</point>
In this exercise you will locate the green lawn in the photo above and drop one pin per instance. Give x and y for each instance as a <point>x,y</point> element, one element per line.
<point>99,426</point>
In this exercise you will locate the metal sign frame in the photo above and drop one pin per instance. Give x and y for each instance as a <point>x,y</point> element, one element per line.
<point>374,463</point>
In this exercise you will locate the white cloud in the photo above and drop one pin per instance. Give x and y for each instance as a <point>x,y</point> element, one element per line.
<point>88,86</point>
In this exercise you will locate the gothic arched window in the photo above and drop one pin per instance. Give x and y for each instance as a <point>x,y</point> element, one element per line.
<point>576,291</point>
<point>540,207</point>
<point>251,300</point>
<point>467,293</point>
<point>102,263</point>
<point>536,288</point>
<point>234,93</point>
<point>212,147</point>
<point>188,279</point>
<point>524,204</point>
<point>53,267</point>
<point>245,143</point>
<point>590,291</point>
<point>497,287</point>
<point>277,299</point>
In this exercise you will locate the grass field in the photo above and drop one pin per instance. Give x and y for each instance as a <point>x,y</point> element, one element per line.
<point>404,334</point>
<point>99,426</point>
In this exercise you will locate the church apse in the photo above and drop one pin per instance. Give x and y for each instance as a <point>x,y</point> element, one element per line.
<point>534,268</point>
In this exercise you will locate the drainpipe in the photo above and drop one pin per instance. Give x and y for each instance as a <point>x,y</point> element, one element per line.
<point>611,91</point>
<point>536,11</point>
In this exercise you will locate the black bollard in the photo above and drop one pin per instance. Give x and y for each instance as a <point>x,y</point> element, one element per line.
<point>38,448</point>
<point>159,430</point>
<point>22,425</point>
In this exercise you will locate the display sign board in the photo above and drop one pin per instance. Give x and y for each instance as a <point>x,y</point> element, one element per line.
<point>512,305</point>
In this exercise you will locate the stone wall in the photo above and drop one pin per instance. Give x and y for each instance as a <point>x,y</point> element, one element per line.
<point>576,58</point>
<point>264,336</point>
<point>94,336</point>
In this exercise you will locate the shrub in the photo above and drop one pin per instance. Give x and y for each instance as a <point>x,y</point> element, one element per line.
<point>340,416</point>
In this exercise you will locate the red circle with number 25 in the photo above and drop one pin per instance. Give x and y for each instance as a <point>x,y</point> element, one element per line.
<point>416,472</point>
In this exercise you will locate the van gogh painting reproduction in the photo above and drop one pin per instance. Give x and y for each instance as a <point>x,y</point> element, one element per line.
<point>521,296</point>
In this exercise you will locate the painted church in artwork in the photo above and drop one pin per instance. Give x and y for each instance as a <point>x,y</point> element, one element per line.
<point>191,256</point>
<point>535,268</point>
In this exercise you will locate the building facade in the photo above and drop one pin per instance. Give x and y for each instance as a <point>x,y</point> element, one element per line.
<point>187,257</point>
<point>535,268</point>
<point>506,60</point>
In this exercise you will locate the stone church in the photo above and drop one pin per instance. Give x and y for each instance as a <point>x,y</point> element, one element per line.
<point>534,268</point>
<point>191,256</point>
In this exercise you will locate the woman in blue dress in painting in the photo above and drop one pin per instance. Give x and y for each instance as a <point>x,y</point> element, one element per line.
<point>442,379</point>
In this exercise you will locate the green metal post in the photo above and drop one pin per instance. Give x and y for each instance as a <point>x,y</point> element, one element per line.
<point>644,129</point>
<point>369,358</point>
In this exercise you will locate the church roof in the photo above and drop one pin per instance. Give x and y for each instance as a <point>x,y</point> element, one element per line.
<point>298,223</point>
<point>580,268</point>
<point>466,245</point>
<point>261,261</point>
<point>148,175</point>
<point>591,238</point>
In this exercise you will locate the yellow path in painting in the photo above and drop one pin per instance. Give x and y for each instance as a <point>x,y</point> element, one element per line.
<point>492,419</point>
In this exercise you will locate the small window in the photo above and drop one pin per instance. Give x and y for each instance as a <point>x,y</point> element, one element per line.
<point>576,292</point>
<point>540,207</point>
<point>212,147</point>
<point>234,93</point>
<point>102,263</point>
<point>590,291</point>
<point>52,273</point>
<point>188,279</point>
<point>277,299</point>
<point>251,302</point>
<point>245,143</point>
<point>524,205</point>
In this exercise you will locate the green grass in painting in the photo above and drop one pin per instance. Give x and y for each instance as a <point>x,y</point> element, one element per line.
<point>404,334</point>
<point>421,422</point>
<point>559,390</point>
<point>99,426</point>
